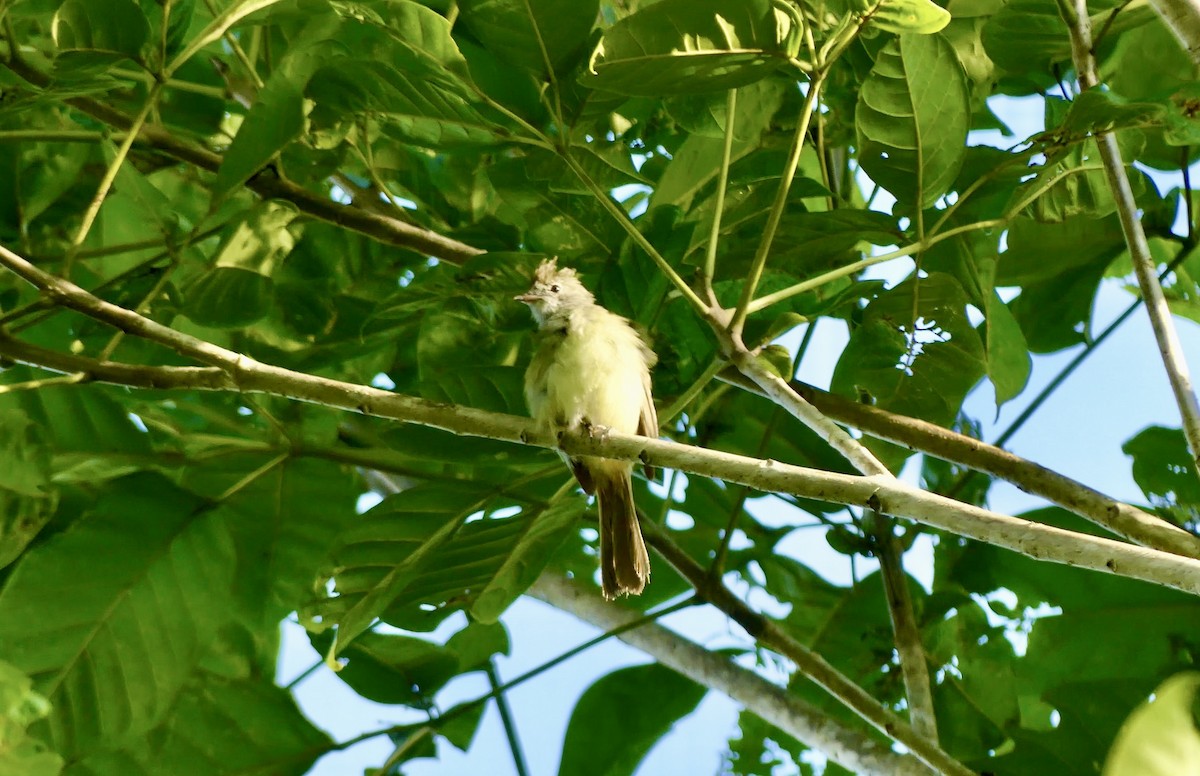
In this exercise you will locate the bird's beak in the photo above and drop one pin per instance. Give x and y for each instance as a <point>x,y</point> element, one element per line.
<point>527,298</point>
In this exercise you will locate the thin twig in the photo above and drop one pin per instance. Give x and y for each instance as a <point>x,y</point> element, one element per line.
<point>777,207</point>
<point>110,175</point>
<point>1169,348</point>
<point>913,664</point>
<point>506,718</point>
<point>710,254</point>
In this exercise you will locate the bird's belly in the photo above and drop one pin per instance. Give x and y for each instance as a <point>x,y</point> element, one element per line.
<point>596,381</point>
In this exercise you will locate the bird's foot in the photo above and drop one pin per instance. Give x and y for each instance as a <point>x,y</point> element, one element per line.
<point>596,431</point>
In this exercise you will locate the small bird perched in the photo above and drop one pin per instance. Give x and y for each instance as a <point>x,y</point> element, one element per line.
<point>591,371</point>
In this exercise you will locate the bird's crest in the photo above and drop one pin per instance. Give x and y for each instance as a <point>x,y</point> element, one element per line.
<point>548,270</point>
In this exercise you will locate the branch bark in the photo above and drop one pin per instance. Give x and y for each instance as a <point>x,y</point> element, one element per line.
<point>1076,17</point>
<point>1122,519</point>
<point>845,746</point>
<point>882,493</point>
<point>808,662</point>
<point>913,664</point>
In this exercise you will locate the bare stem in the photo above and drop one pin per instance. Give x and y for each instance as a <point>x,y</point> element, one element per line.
<point>777,207</point>
<point>710,255</point>
<point>1169,347</point>
<point>913,664</point>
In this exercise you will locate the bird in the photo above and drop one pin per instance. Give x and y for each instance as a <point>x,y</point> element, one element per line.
<point>590,372</point>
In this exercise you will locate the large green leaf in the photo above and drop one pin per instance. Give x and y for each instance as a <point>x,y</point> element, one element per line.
<point>117,27</point>
<point>413,562</point>
<point>685,46</point>
<point>1160,738</point>
<point>545,36</point>
<point>283,524</point>
<point>433,111</point>
<point>219,727</point>
<point>275,119</point>
<point>633,706</point>
<point>112,648</point>
<point>912,119</point>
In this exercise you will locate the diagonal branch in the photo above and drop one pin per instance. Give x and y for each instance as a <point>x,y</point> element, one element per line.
<point>1076,17</point>
<point>844,745</point>
<point>1122,519</point>
<point>913,664</point>
<point>809,663</point>
<point>879,492</point>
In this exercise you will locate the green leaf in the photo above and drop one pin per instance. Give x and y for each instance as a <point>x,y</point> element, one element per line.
<point>1008,358</point>
<point>1165,470</point>
<point>431,570</point>
<point>922,368</point>
<point>244,726</point>
<point>111,649</point>
<point>27,498</point>
<point>239,289</point>
<point>532,34</point>
<point>689,46</point>
<point>912,119</point>
<point>275,119</point>
<point>543,535</point>
<point>1160,737</point>
<point>20,706</point>
<point>282,523</point>
<point>115,26</point>
<point>80,419</point>
<point>390,668</point>
<point>635,706</point>
<point>389,548</point>
<point>903,16</point>
<point>429,112</point>
<point>229,298</point>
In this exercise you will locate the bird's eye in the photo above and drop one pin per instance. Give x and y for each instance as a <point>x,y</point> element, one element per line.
<point>554,289</point>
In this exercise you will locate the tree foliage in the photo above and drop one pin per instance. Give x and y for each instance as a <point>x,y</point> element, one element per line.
<point>350,192</point>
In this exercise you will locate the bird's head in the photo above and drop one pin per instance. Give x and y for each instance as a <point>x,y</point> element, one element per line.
<point>555,293</point>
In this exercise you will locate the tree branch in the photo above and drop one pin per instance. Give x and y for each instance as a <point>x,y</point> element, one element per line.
<point>384,228</point>
<point>845,746</point>
<point>1169,348</point>
<point>1122,519</point>
<point>913,663</point>
<point>879,492</point>
<point>808,662</point>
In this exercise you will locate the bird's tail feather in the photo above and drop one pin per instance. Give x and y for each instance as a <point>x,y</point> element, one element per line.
<point>624,563</point>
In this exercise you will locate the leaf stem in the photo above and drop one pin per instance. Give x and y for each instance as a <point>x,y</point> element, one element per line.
<point>1169,347</point>
<point>110,175</point>
<point>870,261</point>
<point>631,229</point>
<point>777,207</point>
<point>506,718</point>
<point>710,255</point>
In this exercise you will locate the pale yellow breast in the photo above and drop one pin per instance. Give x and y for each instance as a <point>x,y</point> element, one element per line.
<point>597,375</point>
